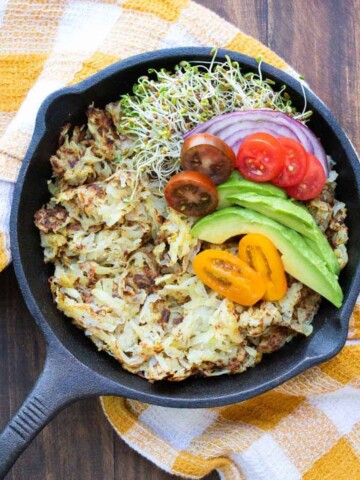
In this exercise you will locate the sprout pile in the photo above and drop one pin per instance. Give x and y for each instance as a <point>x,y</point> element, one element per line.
<point>166,104</point>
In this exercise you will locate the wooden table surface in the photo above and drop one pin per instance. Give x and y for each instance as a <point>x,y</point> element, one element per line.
<point>320,39</point>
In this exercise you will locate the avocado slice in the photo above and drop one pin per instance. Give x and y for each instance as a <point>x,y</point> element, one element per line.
<point>292,215</point>
<point>237,184</point>
<point>299,260</point>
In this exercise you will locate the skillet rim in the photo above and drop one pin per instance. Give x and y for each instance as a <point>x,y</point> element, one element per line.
<point>40,132</point>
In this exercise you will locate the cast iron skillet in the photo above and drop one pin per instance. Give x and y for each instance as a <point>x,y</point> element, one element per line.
<point>74,368</point>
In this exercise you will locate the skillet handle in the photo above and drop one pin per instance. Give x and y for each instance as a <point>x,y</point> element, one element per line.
<point>62,381</point>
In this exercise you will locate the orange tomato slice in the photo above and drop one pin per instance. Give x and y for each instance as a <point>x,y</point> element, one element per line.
<point>229,276</point>
<point>260,253</point>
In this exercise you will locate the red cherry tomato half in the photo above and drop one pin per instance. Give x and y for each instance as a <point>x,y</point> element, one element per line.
<point>295,163</point>
<point>261,157</point>
<point>191,193</point>
<point>312,183</point>
<point>209,155</point>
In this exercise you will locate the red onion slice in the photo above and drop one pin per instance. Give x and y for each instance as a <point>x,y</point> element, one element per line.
<point>234,127</point>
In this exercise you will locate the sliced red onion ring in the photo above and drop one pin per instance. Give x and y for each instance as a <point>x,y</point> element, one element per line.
<point>234,127</point>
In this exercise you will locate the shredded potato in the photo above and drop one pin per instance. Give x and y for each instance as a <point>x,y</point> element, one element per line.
<point>123,266</point>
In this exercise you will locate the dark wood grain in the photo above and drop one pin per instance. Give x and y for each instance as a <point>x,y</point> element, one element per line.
<point>248,15</point>
<point>321,39</point>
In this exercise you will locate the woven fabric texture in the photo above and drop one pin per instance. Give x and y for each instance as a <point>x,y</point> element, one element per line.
<point>307,428</point>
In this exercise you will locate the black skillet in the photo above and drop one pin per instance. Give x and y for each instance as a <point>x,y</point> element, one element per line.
<point>74,368</point>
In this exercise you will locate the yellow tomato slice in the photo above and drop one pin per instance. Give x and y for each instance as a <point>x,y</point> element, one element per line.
<point>261,254</point>
<point>230,276</point>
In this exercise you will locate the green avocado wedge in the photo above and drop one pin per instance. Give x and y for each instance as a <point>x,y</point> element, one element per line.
<point>298,259</point>
<point>292,215</point>
<point>237,184</point>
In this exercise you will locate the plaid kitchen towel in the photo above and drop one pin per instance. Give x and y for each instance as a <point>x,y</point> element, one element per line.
<point>307,428</point>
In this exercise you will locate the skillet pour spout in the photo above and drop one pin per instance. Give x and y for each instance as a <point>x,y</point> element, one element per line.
<point>73,368</point>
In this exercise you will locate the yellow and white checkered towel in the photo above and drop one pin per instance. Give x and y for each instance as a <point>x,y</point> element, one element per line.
<point>307,428</point>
